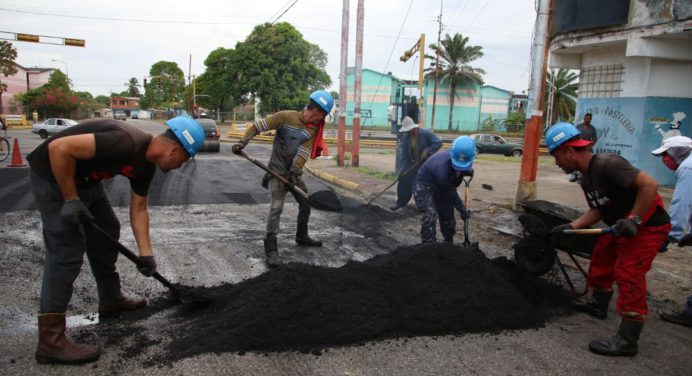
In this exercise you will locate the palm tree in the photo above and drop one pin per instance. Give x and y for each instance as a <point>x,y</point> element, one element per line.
<point>564,91</point>
<point>132,87</point>
<point>455,56</point>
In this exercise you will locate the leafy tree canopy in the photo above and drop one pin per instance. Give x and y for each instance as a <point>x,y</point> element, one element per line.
<point>277,65</point>
<point>165,86</point>
<point>58,80</point>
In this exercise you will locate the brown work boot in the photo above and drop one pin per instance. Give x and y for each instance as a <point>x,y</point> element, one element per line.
<point>597,306</point>
<point>271,251</point>
<point>122,304</point>
<point>55,347</point>
<point>303,238</point>
<point>624,343</point>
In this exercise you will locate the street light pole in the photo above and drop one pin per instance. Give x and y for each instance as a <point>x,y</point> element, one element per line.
<point>67,71</point>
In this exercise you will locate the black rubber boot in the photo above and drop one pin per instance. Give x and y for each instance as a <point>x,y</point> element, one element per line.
<point>597,306</point>
<point>271,251</point>
<point>677,318</point>
<point>303,238</point>
<point>624,343</point>
<point>449,239</point>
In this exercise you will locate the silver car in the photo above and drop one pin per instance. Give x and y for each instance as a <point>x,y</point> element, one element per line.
<point>52,126</point>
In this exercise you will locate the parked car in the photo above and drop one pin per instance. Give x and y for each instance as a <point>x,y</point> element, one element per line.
<point>119,115</point>
<point>494,144</point>
<point>211,135</point>
<point>51,126</point>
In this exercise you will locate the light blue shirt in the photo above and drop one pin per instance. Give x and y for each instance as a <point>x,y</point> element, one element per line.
<point>681,205</point>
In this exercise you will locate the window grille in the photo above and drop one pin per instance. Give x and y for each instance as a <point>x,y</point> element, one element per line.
<point>603,81</point>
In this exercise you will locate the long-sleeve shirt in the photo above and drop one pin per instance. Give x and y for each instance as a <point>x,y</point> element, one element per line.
<point>409,151</point>
<point>292,142</point>
<point>681,204</point>
<point>437,172</point>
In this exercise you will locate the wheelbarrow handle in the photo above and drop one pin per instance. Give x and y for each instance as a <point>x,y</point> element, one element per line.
<point>590,231</point>
<point>274,174</point>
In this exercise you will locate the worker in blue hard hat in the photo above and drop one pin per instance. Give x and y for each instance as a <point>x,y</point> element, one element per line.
<point>298,137</point>
<point>436,193</point>
<point>67,171</point>
<point>625,197</point>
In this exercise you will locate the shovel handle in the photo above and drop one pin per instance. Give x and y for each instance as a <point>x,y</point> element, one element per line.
<point>129,254</point>
<point>590,231</point>
<point>396,181</point>
<point>274,174</point>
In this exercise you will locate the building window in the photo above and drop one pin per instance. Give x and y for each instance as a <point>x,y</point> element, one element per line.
<point>602,81</point>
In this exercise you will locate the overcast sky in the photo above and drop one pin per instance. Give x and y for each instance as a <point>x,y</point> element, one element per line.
<point>125,38</point>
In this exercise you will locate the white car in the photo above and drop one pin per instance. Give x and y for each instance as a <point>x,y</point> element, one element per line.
<point>52,126</point>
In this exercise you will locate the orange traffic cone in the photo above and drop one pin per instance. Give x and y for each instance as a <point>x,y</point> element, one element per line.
<point>325,148</point>
<point>16,156</point>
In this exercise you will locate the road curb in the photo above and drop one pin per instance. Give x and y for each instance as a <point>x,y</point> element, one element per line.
<point>343,183</point>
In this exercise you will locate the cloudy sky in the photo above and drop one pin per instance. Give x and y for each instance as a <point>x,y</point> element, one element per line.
<point>125,38</point>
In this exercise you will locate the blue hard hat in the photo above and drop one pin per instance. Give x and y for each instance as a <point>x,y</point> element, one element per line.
<point>323,99</point>
<point>189,133</point>
<point>462,153</point>
<point>558,134</point>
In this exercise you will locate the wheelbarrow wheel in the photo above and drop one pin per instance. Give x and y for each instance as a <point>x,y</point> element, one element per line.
<point>534,255</point>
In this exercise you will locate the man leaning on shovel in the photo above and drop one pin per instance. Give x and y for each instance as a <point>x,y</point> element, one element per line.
<point>66,174</point>
<point>298,137</point>
<point>415,146</point>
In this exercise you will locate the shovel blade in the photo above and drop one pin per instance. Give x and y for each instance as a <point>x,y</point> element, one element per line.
<point>325,200</point>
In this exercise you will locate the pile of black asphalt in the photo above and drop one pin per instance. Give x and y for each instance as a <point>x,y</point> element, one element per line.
<point>424,290</point>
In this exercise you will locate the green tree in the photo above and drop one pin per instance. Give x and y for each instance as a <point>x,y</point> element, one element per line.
<point>454,66</point>
<point>103,100</point>
<point>58,80</point>
<point>55,102</point>
<point>166,85</point>
<point>564,101</point>
<point>489,124</point>
<point>514,122</point>
<point>216,80</point>
<point>8,55</point>
<point>132,88</point>
<point>277,65</point>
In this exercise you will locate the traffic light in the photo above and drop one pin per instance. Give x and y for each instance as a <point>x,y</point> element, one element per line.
<point>75,42</point>
<point>145,83</point>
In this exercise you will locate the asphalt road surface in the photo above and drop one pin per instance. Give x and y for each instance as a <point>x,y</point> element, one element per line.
<point>207,224</point>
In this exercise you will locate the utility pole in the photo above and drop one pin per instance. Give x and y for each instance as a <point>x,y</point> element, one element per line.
<point>526,187</point>
<point>355,144</point>
<point>437,66</point>
<point>341,138</point>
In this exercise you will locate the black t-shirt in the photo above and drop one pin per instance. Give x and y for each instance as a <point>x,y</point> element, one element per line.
<point>120,150</point>
<point>606,186</point>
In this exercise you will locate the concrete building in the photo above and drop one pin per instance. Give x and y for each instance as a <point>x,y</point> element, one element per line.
<point>635,62</point>
<point>25,79</point>
<point>129,105</point>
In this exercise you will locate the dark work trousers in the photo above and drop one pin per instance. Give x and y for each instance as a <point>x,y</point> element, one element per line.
<point>66,244</point>
<point>278,192</point>
<point>433,205</point>
<point>406,186</point>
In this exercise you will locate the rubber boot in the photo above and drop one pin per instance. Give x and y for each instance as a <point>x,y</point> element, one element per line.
<point>271,251</point>
<point>597,306</point>
<point>677,318</point>
<point>121,304</point>
<point>449,239</point>
<point>624,343</point>
<point>303,238</point>
<point>55,347</point>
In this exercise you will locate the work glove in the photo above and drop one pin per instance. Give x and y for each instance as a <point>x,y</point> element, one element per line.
<point>291,178</point>
<point>424,155</point>
<point>238,147</point>
<point>74,211</point>
<point>148,265</point>
<point>626,227</point>
<point>556,232</point>
<point>464,214</point>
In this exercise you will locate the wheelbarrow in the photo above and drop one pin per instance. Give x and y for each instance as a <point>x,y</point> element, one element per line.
<point>536,253</point>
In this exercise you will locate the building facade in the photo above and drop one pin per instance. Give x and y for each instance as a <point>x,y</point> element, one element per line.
<point>24,80</point>
<point>635,63</point>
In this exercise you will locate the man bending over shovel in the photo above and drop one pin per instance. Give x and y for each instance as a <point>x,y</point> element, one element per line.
<point>436,190</point>
<point>298,137</point>
<point>624,197</point>
<point>66,174</point>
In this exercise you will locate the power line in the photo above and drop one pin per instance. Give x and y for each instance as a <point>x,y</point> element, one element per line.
<point>284,12</point>
<point>117,19</point>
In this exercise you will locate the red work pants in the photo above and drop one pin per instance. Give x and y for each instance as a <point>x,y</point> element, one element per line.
<point>626,261</point>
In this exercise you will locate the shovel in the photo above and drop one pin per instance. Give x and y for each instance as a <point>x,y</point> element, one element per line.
<point>322,200</point>
<point>175,292</point>
<point>396,181</point>
<point>467,180</point>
